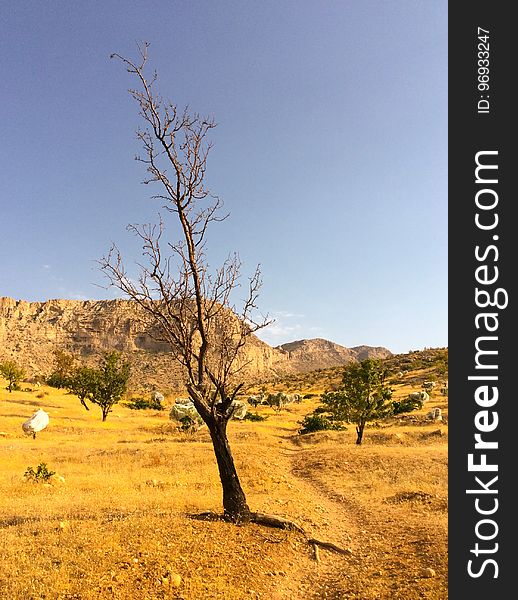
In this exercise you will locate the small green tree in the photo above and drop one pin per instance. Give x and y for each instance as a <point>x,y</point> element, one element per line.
<point>13,373</point>
<point>109,382</point>
<point>64,366</point>
<point>362,397</point>
<point>82,383</point>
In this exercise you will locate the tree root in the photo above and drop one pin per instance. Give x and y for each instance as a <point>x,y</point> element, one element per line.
<point>330,546</point>
<point>208,516</point>
<point>273,521</point>
<point>280,523</point>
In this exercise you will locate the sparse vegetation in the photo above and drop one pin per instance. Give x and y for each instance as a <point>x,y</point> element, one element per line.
<point>413,367</point>
<point>122,519</point>
<point>189,425</point>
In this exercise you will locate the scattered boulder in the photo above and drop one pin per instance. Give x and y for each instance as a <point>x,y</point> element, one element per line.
<point>435,414</point>
<point>38,422</point>
<point>157,396</point>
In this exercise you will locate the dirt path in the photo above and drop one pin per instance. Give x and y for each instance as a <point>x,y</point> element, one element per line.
<point>324,516</point>
<point>394,556</point>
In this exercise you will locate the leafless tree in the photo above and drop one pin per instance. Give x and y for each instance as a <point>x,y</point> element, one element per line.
<point>190,304</point>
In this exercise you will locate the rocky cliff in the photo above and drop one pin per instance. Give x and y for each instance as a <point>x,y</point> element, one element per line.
<point>31,331</point>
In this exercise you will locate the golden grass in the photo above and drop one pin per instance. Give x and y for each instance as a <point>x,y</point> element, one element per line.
<point>120,524</point>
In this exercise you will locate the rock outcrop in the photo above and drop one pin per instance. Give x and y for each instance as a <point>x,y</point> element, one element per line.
<point>308,355</point>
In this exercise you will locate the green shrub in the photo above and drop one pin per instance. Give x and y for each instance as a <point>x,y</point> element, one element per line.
<point>143,404</point>
<point>57,380</point>
<point>254,417</point>
<point>319,422</point>
<point>188,424</point>
<point>406,405</point>
<point>40,474</point>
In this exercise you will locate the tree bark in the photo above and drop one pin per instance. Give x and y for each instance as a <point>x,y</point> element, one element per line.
<point>235,506</point>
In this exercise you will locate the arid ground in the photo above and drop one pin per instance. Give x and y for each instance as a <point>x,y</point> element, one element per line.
<point>117,518</point>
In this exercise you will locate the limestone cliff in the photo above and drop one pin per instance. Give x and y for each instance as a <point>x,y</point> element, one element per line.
<point>31,331</point>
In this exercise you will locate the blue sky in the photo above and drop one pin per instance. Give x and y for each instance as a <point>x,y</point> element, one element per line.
<point>330,152</point>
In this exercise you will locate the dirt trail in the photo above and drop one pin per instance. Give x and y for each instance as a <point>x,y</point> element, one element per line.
<point>390,559</point>
<point>325,517</point>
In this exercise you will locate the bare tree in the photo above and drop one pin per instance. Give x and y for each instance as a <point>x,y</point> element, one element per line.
<point>189,304</point>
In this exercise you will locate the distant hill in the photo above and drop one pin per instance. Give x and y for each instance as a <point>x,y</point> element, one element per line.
<point>309,355</point>
<point>409,369</point>
<point>31,331</point>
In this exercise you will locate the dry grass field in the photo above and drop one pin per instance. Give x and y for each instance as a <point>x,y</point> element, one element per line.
<point>117,519</point>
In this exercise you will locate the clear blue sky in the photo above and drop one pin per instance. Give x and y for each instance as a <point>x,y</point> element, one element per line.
<point>330,152</point>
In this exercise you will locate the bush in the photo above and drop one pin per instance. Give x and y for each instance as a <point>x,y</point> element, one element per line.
<point>406,405</point>
<point>40,474</point>
<point>319,422</point>
<point>188,425</point>
<point>57,380</point>
<point>143,404</point>
<point>254,417</point>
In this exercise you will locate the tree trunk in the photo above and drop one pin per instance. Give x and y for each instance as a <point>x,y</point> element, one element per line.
<point>235,506</point>
<point>359,432</point>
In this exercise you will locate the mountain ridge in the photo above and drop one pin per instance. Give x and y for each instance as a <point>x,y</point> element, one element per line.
<point>31,331</point>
